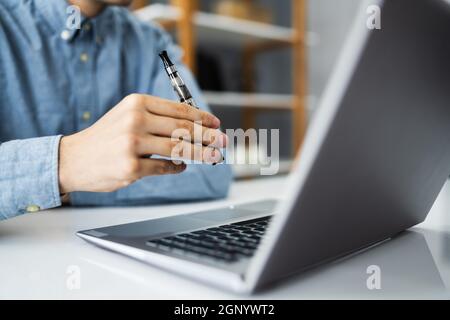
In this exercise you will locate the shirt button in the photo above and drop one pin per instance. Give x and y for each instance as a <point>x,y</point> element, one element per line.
<point>84,57</point>
<point>33,208</point>
<point>87,27</point>
<point>65,35</point>
<point>86,116</point>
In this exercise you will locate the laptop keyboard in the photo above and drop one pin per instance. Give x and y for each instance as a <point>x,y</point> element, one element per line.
<point>227,243</point>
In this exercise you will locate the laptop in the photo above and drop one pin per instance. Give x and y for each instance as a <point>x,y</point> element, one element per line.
<point>373,162</point>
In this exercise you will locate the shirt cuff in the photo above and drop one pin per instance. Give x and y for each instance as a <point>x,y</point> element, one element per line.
<point>29,179</point>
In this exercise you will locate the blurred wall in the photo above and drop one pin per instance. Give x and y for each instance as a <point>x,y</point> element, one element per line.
<point>328,25</point>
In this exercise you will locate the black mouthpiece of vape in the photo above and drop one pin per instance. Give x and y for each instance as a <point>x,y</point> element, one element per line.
<point>165,58</point>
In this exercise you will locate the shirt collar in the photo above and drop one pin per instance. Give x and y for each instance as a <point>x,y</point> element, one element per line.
<point>57,13</point>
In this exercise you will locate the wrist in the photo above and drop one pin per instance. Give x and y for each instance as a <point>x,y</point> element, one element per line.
<point>66,173</point>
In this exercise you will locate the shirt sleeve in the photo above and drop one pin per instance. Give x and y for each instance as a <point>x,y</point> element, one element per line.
<point>29,175</point>
<point>199,181</point>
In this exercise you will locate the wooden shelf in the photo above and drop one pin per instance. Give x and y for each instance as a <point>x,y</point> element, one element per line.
<point>221,30</point>
<point>250,171</point>
<point>249,100</point>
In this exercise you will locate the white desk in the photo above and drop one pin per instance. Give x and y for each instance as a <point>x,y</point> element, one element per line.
<point>36,251</point>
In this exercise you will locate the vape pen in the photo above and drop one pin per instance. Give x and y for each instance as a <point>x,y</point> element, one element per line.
<point>177,83</point>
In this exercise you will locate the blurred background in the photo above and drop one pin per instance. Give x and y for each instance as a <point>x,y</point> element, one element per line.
<point>261,63</point>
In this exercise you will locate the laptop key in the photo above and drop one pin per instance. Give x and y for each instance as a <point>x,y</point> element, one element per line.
<point>244,243</point>
<point>242,228</point>
<point>222,236</point>
<point>212,233</point>
<point>207,244</point>
<point>184,236</point>
<point>193,241</point>
<point>180,239</point>
<point>152,244</point>
<point>247,239</point>
<point>179,244</point>
<point>250,246</point>
<point>227,226</point>
<point>195,249</point>
<point>199,232</point>
<point>225,232</point>
<point>166,241</point>
<point>226,247</point>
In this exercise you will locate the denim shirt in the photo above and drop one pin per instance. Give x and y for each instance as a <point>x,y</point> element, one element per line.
<point>56,81</point>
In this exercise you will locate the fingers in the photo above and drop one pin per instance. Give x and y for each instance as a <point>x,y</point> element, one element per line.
<point>172,109</point>
<point>157,167</point>
<point>185,130</point>
<point>169,129</point>
<point>177,149</point>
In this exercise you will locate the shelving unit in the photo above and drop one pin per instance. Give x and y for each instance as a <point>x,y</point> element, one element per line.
<point>214,28</point>
<point>250,171</point>
<point>249,100</point>
<point>196,27</point>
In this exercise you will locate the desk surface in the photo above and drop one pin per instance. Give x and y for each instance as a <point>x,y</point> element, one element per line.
<point>39,251</point>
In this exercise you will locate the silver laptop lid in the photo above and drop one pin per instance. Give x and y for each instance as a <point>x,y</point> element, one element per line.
<point>378,151</point>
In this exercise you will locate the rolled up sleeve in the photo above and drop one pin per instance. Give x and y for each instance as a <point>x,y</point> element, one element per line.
<point>29,176</point>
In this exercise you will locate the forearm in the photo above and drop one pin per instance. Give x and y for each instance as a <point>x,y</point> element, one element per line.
<point>29,176</point>
<point>198,182</point>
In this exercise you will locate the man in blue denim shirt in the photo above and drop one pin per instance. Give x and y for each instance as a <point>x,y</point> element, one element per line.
<point>79,112</point>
